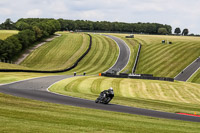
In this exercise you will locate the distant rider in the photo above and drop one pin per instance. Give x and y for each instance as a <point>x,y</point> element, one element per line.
<point>107,93</point>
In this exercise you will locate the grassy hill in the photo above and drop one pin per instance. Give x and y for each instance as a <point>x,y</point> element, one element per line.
<point>102,56</point>
<point>63,51</point>
<point>24,115</point>
<point>60,53</point>
<point>11,66</point>
<point>157,95</point>
<point>165,59</point>
<point>6,33</point>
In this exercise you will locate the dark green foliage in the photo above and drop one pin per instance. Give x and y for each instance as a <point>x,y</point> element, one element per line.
<point>26,37</point>
<point>22,26</point>
<point>148,28</point>
<point>185,32</point>
<point>1,49</point>
<point>31,31</point>
<point>162,31</point>
<point>7,25</point>
<point>177,31</point>
<point>12,46</point>
<point>35,29</point>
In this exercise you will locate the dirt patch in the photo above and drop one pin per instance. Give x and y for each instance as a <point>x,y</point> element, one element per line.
<point>28,51</point>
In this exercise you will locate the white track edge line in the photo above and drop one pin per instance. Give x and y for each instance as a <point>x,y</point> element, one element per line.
<point>193,74</point>
<point>129,54</point>
<point>185,68</point>
<point>27,80</point>
<point>119,52</point>
<point>63,94</point>
<point>118,55</point>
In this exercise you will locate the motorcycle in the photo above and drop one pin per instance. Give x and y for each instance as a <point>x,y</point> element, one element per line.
<point>103,98</point>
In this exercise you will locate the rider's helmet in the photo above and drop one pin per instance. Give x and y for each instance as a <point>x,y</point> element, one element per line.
<point>110,89</point>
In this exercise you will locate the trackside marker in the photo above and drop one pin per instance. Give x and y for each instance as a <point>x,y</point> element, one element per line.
<point>99,74</point>
<point>189,114</point>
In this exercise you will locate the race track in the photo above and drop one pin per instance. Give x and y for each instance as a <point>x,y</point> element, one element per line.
<point>124,55</point>
<point>37,89</point>
<point>188,71</point>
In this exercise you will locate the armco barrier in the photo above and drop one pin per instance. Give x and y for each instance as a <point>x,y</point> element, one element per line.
<point>137,58</point>
<point>152,78</point>
<point>145,76</point>
<point>55,71</point>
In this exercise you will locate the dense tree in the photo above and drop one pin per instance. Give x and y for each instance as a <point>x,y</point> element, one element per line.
<point>185,32</point>
<point>31,30</point>
<point>38,32</point>
<point>35,29</point>
<point>149,28</point>
<point>12,46</point>
<point>8,25</point>
<point>162,31</point>
<point>1,49</point>
<point>177,31</point>
<point>22,25</point>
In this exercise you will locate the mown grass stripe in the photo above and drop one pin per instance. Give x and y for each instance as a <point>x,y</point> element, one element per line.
<point>163,60</point>
<point>161,53</point>
<point>178,61</point>
<point>54,55</point>
<point>160,62</point>
<point>102,56</point>
<point>170,96</point>
<point>196,77</point>
<point>84,63</point>
<point>100,59</point>
<point>92,57</point>
<point>96,57</point>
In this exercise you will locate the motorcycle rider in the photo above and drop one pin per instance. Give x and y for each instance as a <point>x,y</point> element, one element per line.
<point>107,93</point>
<point>110,92</point>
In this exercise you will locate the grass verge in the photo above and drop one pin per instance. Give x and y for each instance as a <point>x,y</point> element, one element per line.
<point>165,59</point>
<point>195,78</point>
<point>156,95</point>
<point>12,77</point>
<point>23,115</point>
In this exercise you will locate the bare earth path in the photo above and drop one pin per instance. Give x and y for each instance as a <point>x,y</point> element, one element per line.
<point>28,51</point>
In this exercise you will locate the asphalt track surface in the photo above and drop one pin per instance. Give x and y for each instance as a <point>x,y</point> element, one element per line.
<point>37,89</point>
<point>124,55</point>
<point>188,71</point>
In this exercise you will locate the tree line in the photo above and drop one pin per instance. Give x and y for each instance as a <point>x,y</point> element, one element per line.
<point>185,31</point>
<point>31,30</point>
<point>85,25</point>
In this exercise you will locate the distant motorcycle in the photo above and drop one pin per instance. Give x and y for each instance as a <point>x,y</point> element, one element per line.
<point>105,96</point>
